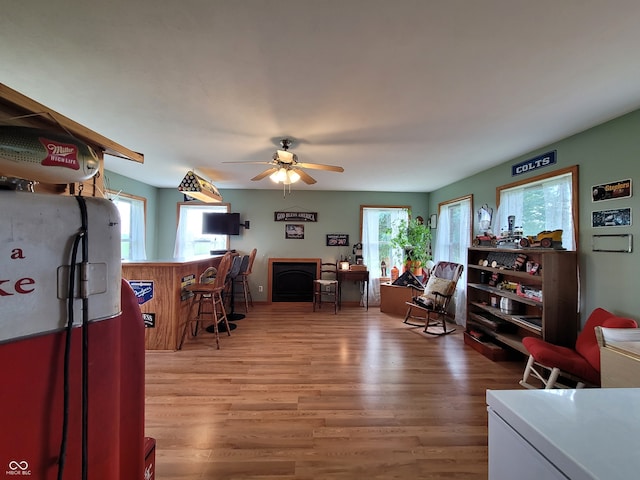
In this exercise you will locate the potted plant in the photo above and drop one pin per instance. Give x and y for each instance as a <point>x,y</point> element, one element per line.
<point>413,237</point>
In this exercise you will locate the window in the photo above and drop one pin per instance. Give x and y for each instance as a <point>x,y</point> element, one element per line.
<point>378,226</point>
<point>545,202</point>
<point>132,225</point>
<point>453,238</point>
<point>190,240</point>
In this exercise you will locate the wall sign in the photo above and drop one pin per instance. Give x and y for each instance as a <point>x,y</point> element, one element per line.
<point>611,190</point>
<point>619,217</point>
<point>295,216</point>
<point>184,283</point>
<point>337,240</point>
<point>143,290</point>
<point>149,320</point>
<point>535,163</point>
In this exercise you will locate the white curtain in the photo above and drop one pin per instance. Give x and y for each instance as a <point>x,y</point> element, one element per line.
<point>374,223</point>
<point>190,241</point>
<point>544,205</point>
<point>183,239</point>
<point>453,238</point>
<point>138,238</point>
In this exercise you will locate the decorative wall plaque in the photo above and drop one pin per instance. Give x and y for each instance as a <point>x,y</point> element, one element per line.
<point>337,240</point>
<point>295,216</point>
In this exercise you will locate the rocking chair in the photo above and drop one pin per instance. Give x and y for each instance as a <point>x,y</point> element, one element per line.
<point>431,307</point>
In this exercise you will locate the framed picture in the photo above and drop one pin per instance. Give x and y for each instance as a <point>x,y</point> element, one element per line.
<point>337,240</point>
<point>294,231</point>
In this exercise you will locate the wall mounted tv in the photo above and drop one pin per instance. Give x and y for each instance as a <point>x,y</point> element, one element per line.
<point>219,223</point>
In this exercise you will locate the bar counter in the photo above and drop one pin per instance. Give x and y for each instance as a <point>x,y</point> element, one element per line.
<point>159,287</point>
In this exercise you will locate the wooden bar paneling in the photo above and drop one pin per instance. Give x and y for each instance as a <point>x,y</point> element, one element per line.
<point>169,308</point>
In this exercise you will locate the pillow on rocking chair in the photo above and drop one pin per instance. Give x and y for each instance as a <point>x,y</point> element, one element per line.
<point>429,299</point>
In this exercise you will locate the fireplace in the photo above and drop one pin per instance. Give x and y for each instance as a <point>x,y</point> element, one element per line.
<point>291,279</point>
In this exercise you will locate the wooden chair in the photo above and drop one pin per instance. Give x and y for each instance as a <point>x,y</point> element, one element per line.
<point>243,279</point>
<point>208,293</point>
<point>326,286</point>
<point>431,307</point>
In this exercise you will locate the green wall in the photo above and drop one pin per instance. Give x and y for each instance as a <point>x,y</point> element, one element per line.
<point>115,182</point>
<point>338,212</point>
<point>605,153</point>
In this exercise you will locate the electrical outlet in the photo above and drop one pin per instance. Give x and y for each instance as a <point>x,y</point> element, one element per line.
<point>259,288</point>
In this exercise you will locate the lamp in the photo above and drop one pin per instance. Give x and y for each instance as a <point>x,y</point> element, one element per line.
<point>285,176</point>
<point>197,187</point>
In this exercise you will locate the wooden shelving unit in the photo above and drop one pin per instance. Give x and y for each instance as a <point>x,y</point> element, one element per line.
<point>496,331</point>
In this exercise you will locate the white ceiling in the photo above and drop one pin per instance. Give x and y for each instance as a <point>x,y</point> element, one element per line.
<point>406,95</point>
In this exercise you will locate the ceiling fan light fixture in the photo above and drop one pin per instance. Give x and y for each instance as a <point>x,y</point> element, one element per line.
<point>199,188</point>
<point>284,167</point>
<point>285,176</point>
<point>293,176</point>
<point>279,175</point>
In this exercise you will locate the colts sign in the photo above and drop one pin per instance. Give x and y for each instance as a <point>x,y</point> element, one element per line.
<point>540,161</point>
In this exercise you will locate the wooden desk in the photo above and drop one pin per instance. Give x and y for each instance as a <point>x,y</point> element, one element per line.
<point>167,305</point>
<point>361,276</point>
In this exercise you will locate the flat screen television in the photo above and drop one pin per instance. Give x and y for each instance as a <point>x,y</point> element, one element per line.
<point>219,223</point>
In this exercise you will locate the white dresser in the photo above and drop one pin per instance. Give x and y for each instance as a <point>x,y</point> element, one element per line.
<point>560,434</point>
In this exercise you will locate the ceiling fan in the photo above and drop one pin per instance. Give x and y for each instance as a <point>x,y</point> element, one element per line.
<point>285,168</point>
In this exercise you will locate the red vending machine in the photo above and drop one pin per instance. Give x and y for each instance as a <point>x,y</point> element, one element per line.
<point>71,343</point>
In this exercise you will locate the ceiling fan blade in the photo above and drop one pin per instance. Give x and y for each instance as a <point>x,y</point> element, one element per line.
<point>252,163</point>
<point>305,177</point>
<point>319,166</point>
<point>266,173</point>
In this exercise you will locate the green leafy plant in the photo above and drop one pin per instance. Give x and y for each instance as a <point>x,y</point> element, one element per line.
<point>413,237</point>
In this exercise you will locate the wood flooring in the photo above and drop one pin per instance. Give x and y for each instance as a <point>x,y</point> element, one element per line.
<point>294,394</point>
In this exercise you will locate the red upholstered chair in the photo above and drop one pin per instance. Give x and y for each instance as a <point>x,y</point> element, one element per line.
<point>547,362</point>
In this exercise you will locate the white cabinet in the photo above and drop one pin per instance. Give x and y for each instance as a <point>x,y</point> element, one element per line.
<point>511,456</point>
<point>559,434</point>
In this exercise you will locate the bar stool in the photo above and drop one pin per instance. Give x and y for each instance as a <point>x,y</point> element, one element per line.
<point>211,294</point>
<point>243,279</point>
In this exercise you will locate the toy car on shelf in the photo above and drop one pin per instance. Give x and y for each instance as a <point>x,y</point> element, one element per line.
<point>486,240</point>
<point>545,239</point>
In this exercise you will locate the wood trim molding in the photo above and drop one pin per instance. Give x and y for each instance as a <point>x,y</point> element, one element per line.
<point>47,115</point>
